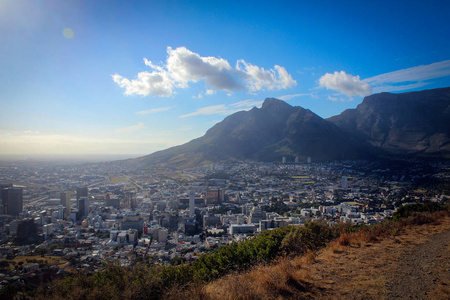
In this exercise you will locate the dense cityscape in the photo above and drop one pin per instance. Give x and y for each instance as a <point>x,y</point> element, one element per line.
<point>85,215</point>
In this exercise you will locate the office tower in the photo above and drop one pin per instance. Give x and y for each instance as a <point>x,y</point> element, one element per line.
<point>112,201</point>
<point>257,215</point>
<point>82,192</point>
<point>27,232</point>
<point>12,200</point>
<point>65,201</point>
<point>344,182</point>
<point>60,212</point>
<point>191,203</point>
<point>83,207</point>
<point>130,200</point>
<point>214,196</point>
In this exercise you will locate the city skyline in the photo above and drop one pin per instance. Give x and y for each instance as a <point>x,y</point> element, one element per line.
<point>115,77</point>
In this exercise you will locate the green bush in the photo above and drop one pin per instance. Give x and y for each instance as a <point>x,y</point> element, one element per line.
<point>408,210</point>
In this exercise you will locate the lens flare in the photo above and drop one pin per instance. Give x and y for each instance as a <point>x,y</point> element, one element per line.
<point>68,33</point>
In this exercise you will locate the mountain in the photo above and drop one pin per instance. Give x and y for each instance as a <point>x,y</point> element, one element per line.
<point>384,125</point>
<point>269,133</point>
<point>415,123</point>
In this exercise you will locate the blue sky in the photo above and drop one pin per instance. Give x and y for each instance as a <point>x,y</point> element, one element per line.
<point>134,77</point>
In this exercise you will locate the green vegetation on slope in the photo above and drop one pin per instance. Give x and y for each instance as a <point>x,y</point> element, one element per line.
<point>155,282</point>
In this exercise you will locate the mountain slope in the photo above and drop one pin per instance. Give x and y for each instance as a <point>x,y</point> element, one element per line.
<point>267,134</point>
<point>415,122</point>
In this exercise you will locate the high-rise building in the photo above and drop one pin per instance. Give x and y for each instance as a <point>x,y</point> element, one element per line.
<point>12,200</point>
<point>214,196</point>
<point>60,212</point>
<point>191,203</point>
<point>257,215</point>
<point>82,192</point>
<point>28,232</point>
<point>344,182</point>
<point>130,200</point>
<point>83,207</point>
<point>65,201</point>
<point>112,201</point>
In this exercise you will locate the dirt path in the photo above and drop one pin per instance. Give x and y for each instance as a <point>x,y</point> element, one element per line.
<point>412,265</point>
<point>421,271</point>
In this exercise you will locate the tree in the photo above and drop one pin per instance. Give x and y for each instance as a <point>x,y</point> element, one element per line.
<point>41,251</point>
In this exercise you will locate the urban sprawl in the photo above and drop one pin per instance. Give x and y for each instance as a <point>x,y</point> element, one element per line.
<point>94,214</point>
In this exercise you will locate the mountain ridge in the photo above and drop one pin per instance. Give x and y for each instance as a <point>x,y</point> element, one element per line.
<point>382,125</point>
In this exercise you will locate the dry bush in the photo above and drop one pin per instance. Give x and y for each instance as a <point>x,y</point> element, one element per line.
<point>193,292</point>
<point>344,240</point>
<point>310,257</point>
<point>279,280</point>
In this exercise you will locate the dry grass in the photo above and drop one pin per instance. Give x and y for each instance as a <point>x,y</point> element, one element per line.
<point>355,266</point>
<point>50,260</point>
<point>280,280</point>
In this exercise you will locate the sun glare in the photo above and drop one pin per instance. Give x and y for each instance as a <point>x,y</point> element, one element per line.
<point>68,33</point>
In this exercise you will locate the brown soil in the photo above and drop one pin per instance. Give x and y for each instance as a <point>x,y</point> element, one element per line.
<point>412,264</point>
<point>424,271</point>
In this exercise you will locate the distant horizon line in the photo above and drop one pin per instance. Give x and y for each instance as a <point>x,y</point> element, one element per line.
<point>71,157</point>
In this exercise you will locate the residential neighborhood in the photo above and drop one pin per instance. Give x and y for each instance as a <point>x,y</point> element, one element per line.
<point>60,218</point>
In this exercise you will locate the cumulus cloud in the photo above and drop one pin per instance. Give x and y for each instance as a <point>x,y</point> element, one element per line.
<point>258,78</point>
<point>184,66</point>
<point>154,110</point>
<point>207,93</point>
<point>345,83</point>
<point>156,83</point>
<point>401,80</point>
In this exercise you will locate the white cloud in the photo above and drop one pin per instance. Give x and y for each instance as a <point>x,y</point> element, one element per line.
<point>289,97</point>
<point>184,66</point>
<point>332,98</point>
<point>345,83</point>
<point>419,73</point>
<point>136,127</point>
<point>260,79</point>
<point>154,110</point>
<point>209,110</point>
<point>395,88</point>
<point>405,79</point>
<point>223,109</point>
<point>207,93</point>
<point>156,83</point>
<point>250,103</point>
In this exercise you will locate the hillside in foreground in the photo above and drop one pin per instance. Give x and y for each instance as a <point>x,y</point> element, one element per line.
<point>407,263</point>
<point>406,256</point>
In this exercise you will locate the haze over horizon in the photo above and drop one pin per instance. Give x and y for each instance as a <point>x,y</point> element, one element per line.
<point>130,78</point>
